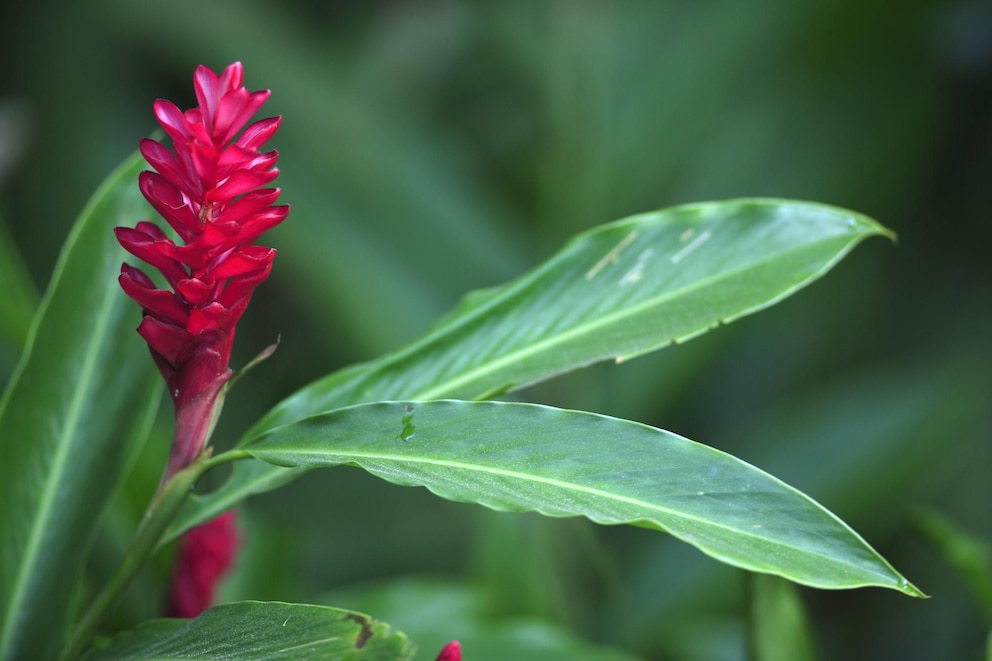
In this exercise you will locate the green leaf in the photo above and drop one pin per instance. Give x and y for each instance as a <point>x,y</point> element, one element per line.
<point>261,630</point>
<point>614,292</point>
<point>525,457</point>
<point>83,389</point>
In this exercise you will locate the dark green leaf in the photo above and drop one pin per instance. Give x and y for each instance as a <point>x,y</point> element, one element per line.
<point>83,389</point>
<point>524,457</point>
<point>261,630</point>
<point>612,293</point>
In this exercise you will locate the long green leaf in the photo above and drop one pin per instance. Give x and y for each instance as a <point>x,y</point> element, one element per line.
<point>614,292</point>
<point>84,381</point>
<point>525,457</point>
<point>261,630</point>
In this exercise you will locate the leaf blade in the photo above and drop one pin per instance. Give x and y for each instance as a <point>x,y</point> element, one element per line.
<point>525,457</point>
<point>573,310</point>
<point>261,630</point>
<point>79,377</point>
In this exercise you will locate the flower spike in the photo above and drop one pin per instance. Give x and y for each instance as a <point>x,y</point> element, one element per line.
<point>212,190</point>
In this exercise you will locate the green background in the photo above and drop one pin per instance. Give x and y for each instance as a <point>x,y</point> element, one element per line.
<point>435,147</point>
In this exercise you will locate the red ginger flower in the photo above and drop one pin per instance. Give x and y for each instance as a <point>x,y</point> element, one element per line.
<point>209,190</point>
<point>205,556</point>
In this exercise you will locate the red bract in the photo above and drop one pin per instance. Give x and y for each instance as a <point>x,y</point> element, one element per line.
<point>205,556</point>
<point>209,188</point>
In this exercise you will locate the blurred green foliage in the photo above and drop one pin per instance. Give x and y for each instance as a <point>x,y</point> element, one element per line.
<point>434,147</point>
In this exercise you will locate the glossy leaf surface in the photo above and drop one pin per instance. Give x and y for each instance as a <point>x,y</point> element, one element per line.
<point>84,387</point>
<point>261,630</point>
<point>525,457</point>
<point>614,292</point>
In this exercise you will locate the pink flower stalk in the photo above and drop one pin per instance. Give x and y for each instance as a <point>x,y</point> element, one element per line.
<point>450,652</point>
<point>209,188</point>
<point>206,554</point>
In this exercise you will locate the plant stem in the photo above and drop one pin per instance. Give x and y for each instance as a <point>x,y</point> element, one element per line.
<point>160,513</point>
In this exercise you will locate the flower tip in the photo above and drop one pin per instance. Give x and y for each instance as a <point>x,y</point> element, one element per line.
<point>232,77</point>
<point>170,117</point>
